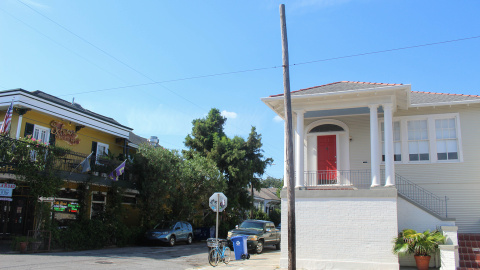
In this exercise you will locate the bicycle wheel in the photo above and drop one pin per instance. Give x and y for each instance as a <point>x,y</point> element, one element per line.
<point>213,257</point>
<point>226,255</point>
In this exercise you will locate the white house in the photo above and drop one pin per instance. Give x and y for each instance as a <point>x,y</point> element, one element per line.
<point>372,159</point>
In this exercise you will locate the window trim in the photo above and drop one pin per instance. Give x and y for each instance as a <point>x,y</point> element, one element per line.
<point>40,129</point>
<point>432,139</point>
<point>97,155</point>
<point>104,202</point>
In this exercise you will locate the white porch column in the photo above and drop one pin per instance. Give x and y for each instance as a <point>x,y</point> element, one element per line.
<point>19,126</point>
<point>375,160</point>
<point>299,149</point>
<point>389,152</point>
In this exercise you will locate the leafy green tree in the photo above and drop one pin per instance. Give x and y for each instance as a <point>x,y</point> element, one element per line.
<point>241,162</point>
<point>204,133</point>
<point>35,165</point>
<point>199,179</point>
<point>172,187</point>
<point>156,171</point>
<point>272,182</point>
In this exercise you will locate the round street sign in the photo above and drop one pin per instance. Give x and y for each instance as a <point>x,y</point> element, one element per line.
<point>222,201</point>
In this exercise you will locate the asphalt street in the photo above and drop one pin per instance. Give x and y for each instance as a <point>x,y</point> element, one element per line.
<point>181,256</point>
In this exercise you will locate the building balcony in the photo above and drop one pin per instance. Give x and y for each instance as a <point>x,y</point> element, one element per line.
<point>66,162</point>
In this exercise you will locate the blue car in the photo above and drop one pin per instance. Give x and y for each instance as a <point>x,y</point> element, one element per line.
<point>171,232</point>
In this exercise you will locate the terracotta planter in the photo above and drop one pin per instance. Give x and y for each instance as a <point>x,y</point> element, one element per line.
<point>23,247</point>
<point>422,262</point>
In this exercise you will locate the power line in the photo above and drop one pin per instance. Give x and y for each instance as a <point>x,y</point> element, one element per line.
<point>108,54</point>
<point>61,45</point>
<point>388,50</point>
<point>275,67</point>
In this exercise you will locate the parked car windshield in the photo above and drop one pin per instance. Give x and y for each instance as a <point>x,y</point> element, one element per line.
<point>165,225</point>
<point>251,225</point>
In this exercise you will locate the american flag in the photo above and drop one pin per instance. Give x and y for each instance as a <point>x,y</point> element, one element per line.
<point>7,121</point>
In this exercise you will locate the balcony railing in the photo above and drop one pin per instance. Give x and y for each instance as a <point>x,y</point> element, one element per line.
<point>362,179</point>
<point>65,160</point>
<point>358,179</point>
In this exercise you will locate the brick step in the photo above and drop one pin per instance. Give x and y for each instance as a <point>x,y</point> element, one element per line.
<point>469,243</point>
<point>469,264</point>
<point>467,268</point>
<point>469,257</point>
<point>468,250</point>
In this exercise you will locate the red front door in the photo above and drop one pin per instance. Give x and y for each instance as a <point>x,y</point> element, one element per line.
<point>326,158</point>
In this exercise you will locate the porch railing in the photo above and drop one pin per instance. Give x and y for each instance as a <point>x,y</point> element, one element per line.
<point>362,179</point>
<point>65,160</point>
<point>359,179</point>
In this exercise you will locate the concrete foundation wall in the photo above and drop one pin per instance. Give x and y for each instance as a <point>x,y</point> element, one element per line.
<point>412,217</point>
<point>343,229</point>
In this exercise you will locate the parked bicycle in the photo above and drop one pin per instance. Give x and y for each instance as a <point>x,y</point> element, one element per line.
<point>220,252</point>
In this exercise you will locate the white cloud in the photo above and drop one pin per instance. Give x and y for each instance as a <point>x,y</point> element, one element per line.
<point>230,115</point>
<point>277,119</point>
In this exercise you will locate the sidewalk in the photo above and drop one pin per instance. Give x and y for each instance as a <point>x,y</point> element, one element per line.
<point>266,261</point>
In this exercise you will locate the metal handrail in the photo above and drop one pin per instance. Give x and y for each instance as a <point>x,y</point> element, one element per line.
<point>421,196</point>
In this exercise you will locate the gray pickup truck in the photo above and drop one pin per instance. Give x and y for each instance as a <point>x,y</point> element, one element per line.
<point>260,233</point>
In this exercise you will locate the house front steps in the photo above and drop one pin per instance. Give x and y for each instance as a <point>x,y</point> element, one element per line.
<point>469,251</point>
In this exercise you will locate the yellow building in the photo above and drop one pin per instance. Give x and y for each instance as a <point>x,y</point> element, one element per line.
<point>83,133</point>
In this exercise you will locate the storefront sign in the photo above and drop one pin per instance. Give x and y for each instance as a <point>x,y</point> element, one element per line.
<point>64,134</point>
<point>65,206</point>
<point>6,199</point>
<point>6,189</point>
<point>7,168</point>
<point>7,185</point>
<point>6,192</point>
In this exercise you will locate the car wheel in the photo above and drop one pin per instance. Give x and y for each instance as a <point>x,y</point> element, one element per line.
<point>172,240</point>
<point>259,247</point>
<point>189,239</point>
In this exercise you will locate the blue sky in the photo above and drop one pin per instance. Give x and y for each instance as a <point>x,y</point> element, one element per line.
<point>149,52</point>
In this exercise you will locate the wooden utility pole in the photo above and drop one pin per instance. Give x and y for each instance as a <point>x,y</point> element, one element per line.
<point>292,258</point>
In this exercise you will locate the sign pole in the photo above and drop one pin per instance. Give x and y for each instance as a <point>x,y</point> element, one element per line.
<point>216,229</point>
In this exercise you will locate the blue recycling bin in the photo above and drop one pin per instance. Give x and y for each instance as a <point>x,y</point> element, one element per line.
<point>240,246</point>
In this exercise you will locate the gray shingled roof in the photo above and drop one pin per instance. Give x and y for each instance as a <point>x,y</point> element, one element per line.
<point>339,87</point>
<point>417,98</point>
<point>135,139</point>
<point>267,194</point>
<point>428,97</point>
<point>74,106</point>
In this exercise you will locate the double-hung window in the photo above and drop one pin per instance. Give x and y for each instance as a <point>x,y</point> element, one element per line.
<point>446,136</point>
<point>397,142</point>
<point>425,139</point>
<point>418,142</point>
<point>41,134</point>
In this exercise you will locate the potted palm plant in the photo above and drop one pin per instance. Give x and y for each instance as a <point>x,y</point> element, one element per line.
<point>421,245</point>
